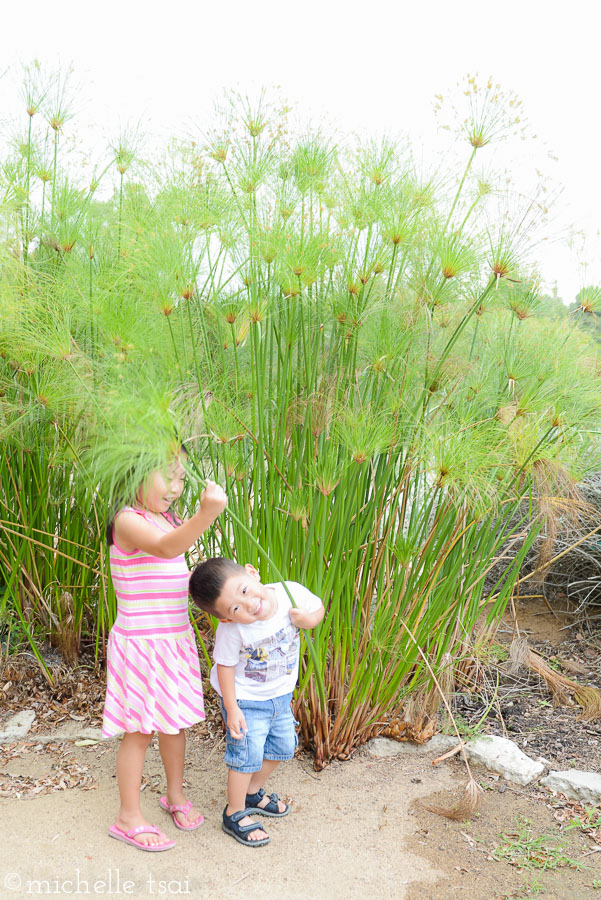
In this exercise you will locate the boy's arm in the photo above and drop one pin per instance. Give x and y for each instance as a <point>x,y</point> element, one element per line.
<point>235,717</point>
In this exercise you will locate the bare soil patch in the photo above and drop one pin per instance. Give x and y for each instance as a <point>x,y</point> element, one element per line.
<point>481,858</point>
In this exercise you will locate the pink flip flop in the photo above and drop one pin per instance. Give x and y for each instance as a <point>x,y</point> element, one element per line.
<point>128,837</point>
<point>173,808</point>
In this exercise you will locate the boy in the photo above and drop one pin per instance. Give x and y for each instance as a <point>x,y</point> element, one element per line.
<point>256,667</point>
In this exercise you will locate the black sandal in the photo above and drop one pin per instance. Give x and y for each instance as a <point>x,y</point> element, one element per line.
<point>241,832</point>
<point>270,809</point>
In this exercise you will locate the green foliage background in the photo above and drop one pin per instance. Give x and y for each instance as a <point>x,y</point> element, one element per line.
<point>361,354</point>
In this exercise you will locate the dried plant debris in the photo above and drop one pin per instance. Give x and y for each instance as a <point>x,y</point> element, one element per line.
<point>573,815</point>
<point>573,580</point>
<point>74,694</point>
<point>65,773</point>
<point>518,703</point>
<point>465,807</point>
<point>587,697</point>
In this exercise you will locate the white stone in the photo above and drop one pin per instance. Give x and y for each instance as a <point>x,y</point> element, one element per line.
<point>440,743</point>
<point>17,726</point>
<point>90,734</point>
<point>500,755</point>
<point>383,746</point>
<point>497,754</point>
<point>576,785</point>
<point>71,732</point>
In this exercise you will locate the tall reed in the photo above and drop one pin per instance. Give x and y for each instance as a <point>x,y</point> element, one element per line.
<point>347,345</point>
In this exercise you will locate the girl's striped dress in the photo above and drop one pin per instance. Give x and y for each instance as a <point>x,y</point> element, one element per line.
<point>153,673</point>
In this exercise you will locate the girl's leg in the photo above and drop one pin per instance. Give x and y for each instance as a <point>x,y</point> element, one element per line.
<point>130,763</point>
<point>259,778</point>
<point>237,789</point>
<point>172,748</point>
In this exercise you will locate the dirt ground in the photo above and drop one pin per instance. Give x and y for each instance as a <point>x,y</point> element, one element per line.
<point>345,837</point>
<point>356,829</point>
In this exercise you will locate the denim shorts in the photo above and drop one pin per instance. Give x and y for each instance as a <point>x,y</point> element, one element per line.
<point>271,734</point>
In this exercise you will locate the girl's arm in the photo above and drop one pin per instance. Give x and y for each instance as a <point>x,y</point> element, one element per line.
<point>134,533</point>
<point>235,717</point>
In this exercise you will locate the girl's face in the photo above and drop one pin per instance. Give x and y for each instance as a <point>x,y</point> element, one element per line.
<point>160,489</point>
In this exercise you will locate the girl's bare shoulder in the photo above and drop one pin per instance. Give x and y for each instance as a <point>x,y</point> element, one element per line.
<point>128,525</point>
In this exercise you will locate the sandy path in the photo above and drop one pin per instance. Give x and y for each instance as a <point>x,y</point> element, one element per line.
<point>345,837</point>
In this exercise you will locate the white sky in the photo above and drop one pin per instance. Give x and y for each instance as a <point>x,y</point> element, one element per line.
<point>364,67</point>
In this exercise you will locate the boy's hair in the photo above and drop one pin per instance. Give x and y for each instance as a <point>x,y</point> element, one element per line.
<point>207,580</point>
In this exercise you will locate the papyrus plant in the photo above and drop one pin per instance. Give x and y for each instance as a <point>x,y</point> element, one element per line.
<point>334,336</point>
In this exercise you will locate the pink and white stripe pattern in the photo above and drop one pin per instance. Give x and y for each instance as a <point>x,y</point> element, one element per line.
<point>153,672</point>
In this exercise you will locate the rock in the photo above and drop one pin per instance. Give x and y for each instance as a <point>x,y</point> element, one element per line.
<point>70,732</point>
<point>90,734</point>
<point>501,755</point>
<point>497,754</point>
<point>440,743</point>
<point>382,746</point>
<point>545,762</point>
<point>17,726</point>
<point>576,785</point>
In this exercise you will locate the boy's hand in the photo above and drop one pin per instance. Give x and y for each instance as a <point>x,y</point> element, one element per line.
<point>299,618</point>
<point>236,722</point>
<point>213,500</point>
<point>303,619</point>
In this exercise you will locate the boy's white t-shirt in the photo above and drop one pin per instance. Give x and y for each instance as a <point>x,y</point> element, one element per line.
<point>265,653</point>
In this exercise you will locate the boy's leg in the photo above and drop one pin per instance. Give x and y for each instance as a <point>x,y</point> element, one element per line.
<point>243,754</point>
<point>259,778</point>
<point>280,745</point>
<point>237,789</point>
<point>172,748</point>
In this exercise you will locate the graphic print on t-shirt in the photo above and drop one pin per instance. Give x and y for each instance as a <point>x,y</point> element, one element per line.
<point>273,656</point>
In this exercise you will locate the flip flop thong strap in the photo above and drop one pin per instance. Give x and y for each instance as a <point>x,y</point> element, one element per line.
<point>142,829</point>
<point>181,809</point>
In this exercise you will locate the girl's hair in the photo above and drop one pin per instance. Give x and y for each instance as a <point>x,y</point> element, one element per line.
<point>108,531</point>
<point>207,581</point>
<point>123,501</point>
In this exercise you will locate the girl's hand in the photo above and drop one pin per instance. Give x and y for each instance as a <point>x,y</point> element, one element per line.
<point>213,500</point>
<point>236,722</point>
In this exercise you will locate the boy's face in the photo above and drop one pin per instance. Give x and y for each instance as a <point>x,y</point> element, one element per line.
<point>244,599</point>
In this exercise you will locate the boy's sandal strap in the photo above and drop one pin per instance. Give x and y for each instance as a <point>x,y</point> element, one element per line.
<point>254,799</point>
<point>235,817</point>
<point>270,809</point>
<point>241,832</point>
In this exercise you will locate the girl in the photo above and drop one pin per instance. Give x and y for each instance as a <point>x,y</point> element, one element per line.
<point>153,670</point>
